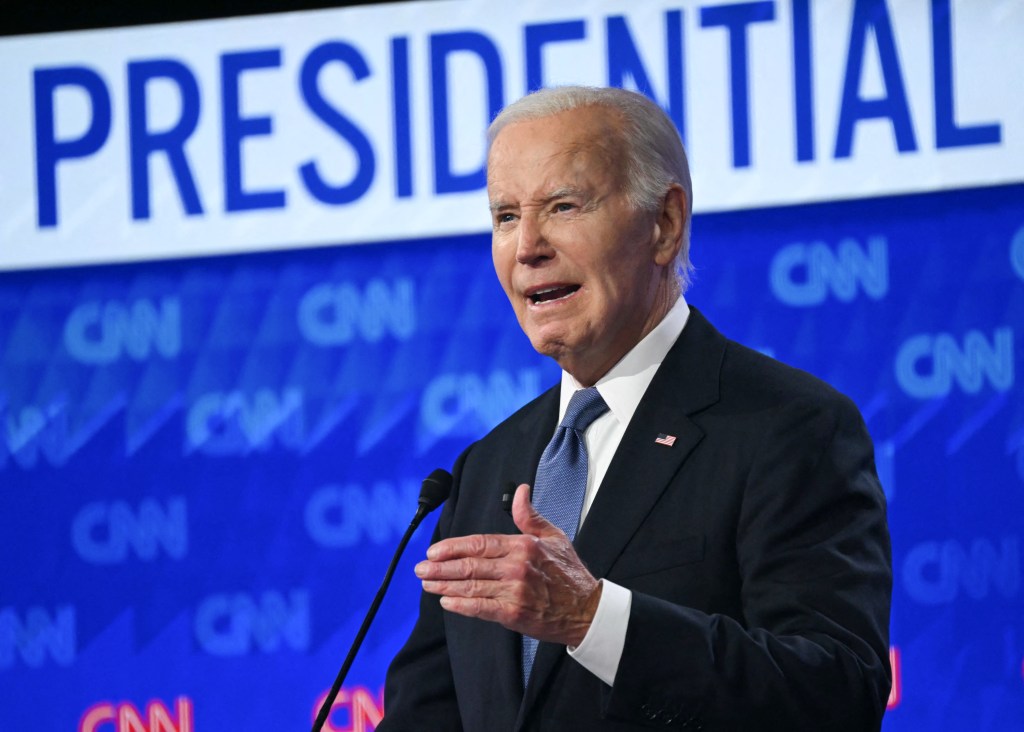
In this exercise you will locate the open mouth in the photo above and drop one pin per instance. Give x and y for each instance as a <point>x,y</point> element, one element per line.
<point>549,294</point>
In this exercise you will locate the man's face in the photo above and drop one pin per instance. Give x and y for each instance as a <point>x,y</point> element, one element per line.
<point>587,275</point>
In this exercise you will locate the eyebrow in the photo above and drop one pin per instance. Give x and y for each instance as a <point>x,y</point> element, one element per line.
<point>557,193</point>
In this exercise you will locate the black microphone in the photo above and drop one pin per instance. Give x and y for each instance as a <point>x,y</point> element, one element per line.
<point>433,492</point>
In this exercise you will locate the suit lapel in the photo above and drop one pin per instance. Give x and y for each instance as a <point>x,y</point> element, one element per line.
<point>642,469</point>
<point>535,429</point>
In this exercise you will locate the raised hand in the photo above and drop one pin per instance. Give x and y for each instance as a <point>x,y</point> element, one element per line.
<point>533,583</point>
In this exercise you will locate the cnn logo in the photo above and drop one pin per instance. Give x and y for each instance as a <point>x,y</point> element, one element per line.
<point>355,709</point>
<point>124,717</point>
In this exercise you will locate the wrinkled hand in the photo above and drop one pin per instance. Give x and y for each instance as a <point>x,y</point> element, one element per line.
<point>534,584</point>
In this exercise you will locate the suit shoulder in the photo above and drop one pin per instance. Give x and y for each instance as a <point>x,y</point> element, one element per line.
<point>755,378</point>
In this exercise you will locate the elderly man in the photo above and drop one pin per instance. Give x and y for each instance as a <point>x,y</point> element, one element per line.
<point>706,545</point>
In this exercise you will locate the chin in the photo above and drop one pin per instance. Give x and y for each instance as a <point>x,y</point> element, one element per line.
<point>548,346</point>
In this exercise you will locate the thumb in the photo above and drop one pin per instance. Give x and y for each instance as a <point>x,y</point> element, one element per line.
<point>528,519</point>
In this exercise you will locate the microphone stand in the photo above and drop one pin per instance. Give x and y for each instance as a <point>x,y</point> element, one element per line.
<point>424,508</point>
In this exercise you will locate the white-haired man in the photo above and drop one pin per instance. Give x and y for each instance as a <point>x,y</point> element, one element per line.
<point>730,567</point>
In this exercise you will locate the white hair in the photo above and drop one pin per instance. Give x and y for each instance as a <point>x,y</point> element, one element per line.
<point>654,153</point>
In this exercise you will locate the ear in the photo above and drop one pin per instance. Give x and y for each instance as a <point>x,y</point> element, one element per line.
<point>671,223</point>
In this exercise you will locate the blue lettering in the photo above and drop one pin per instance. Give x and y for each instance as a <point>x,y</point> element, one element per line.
<point>99,333</point>
<point>333,314</point>
<point>929,572</point>
<point>340,516</point>
<point>231,624</point>
<point>947,132</point>
<point>624,62</point>
<point>235,424</point>
<point>360,183</point>
<point>735,19</point>
<point>542,34</point>
<point>466,404</point>
<point>969,366</point>
<point>873,16</point>
<point>105,533</point>
<point>34,430</point>
<point>236,128</point>
<point>803,83</point>
<point>443,45</point>
<point>142,142</point>
<point>1017,252</point>
<point>50,150</point>
<point>802,275</point>
<point>403,116</point>
<point>885,464</point>
<point>29,428</point>
<point>676,71</point>
<point>38,637</point>
<point>934,573</point>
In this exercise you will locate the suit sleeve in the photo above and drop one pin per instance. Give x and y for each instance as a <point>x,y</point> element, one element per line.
<point>419,691</point>
<point>810,651</point>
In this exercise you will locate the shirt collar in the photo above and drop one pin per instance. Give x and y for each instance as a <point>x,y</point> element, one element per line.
<point>624,385</point>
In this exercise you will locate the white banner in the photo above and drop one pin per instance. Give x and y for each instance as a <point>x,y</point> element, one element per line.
<point>367,124</point>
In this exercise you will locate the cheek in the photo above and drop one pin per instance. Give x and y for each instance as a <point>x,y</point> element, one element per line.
<point>502,265</point>
<point>615,294</point>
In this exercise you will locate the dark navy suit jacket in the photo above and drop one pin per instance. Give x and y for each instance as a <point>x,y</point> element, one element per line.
<point>756,549</point>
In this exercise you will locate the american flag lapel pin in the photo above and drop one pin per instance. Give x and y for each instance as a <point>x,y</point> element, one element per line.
<point>667,440</point>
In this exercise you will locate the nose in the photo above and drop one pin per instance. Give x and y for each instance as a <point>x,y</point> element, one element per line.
<point>531,245</point>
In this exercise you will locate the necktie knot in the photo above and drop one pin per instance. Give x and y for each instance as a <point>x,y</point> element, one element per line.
<point>585,406</point>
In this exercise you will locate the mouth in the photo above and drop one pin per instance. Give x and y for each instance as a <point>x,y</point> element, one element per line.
<point>550,293</point>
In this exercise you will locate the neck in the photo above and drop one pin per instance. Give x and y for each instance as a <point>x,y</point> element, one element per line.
<point>588,371</point>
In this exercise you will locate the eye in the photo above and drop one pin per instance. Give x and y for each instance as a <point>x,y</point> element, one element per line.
<point>504,220</point>
<point>563,207</point>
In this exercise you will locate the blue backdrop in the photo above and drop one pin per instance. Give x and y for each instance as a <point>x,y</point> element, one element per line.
<point>205,464</point>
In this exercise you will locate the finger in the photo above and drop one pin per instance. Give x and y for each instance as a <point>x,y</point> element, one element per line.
<point>484,608</point>
<point>528,519</point>
<point>463,568</point>
<point>465,588</point>
<point>472,607</point>
<point>489,546</point>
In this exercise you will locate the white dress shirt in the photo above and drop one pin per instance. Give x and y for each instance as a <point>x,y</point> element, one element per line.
<point>622,388</point>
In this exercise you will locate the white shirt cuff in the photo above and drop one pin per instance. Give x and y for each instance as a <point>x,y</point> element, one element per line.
<point>601,648</point>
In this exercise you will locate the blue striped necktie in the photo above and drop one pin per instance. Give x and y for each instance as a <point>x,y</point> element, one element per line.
<point>562,479</point>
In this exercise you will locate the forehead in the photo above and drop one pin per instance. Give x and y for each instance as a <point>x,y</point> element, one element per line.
<point>577,143</point>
